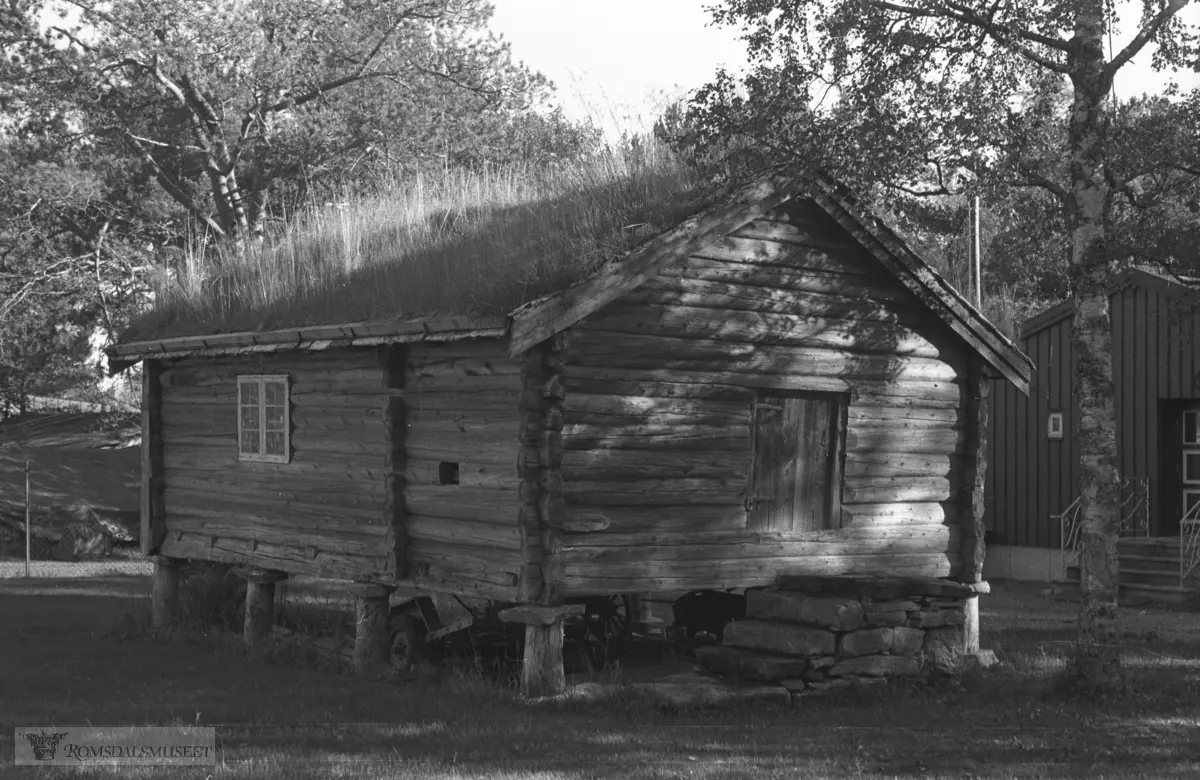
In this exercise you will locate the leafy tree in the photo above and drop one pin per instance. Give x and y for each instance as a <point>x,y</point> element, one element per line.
<point>72,256</point>
<point>131,127</point>
<point>926,97</point>
<point>229,102</point>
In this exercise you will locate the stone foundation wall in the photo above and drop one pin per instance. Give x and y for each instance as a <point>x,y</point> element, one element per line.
<point>816,633</point>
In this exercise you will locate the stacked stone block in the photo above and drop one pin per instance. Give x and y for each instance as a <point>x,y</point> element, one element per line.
<point>816,633</point>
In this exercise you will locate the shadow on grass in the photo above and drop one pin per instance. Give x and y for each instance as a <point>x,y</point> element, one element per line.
<point>75,666</point>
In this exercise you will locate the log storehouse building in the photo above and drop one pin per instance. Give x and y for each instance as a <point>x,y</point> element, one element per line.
<point>776,386</point>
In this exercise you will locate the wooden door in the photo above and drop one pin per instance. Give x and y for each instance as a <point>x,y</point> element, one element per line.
<point>794,482</point>
<point>1181,466</point>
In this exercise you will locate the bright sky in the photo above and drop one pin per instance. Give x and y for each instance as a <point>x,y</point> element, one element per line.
<point>620,61</point>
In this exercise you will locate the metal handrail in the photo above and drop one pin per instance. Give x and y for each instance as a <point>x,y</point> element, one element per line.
<point>1189,543</point>
<point>1069,535</point>
<point>1141,505</point>
<point>1071,530</point>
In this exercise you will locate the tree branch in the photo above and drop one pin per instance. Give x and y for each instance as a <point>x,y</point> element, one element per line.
<point>1144,36</point>
<point>173,189</point>
<point>1005,36</point>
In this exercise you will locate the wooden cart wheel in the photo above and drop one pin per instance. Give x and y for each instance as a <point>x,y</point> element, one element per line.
<point>609,617</point>
<point>406,637</point>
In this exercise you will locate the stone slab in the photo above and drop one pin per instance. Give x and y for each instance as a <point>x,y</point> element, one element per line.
<point>870,641</point>
<point>872,586</point>
<point>877,619</point>
<point>907,641</point>
<point>750,665</point>
<point>838,614</point>
<point>877,666</point>
<point>779,638</point>
<point>934,618</point>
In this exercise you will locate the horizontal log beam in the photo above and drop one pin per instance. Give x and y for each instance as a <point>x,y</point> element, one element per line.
<point>898,514</point>
<point>894,392</point>
<point>767,250</point>
<point>608,561</point>
<point>293,560</point>
<point>886,464</point>
<point>505,536</point>
<point>722,296</point>
<point>879,440</point>
<point>639,518</point>
<point>696,354</point>
<point>428,473</point>
<point>724,491</point>
<point>462,503</point>
<point>896,489</point>
<point>668,543</point>
<point>766,328</point>
<point>704,572</point>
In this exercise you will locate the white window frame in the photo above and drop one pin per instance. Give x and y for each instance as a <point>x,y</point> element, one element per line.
<point>261,456</point>
<point>1184,432</point>
<point>1054,425</point>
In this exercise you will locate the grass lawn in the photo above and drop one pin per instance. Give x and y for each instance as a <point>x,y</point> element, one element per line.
<point>71,653</point>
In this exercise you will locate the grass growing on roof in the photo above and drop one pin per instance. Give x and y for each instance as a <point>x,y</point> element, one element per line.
<point>453,242</point>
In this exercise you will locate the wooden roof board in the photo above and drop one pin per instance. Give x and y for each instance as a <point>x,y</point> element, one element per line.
<point>311,338</point>
<point>540,319</point>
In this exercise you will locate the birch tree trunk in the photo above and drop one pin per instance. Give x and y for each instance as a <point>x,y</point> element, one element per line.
<point>1097,663</point>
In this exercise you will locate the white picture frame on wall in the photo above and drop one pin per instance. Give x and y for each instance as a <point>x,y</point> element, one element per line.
<point>1054,425</point>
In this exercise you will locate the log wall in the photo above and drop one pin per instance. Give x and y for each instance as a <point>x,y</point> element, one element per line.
<point>656,434</point>
<point>462,404</point>
<point>327,512</point>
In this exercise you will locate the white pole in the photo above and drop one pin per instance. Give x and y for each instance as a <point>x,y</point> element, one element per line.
<point>27,524</point>
<point>978,262</point>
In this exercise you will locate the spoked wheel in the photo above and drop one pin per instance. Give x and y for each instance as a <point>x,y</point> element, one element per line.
<point>609,617</point>
<point>609,624</point>
<point>406,637</point>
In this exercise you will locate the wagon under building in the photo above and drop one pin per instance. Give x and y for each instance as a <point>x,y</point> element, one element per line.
<point>776,385</point>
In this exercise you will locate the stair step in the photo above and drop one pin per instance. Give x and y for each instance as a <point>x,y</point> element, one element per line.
<point>1163,577</point>
<point>1156,593</point>
<point>1151,578</point>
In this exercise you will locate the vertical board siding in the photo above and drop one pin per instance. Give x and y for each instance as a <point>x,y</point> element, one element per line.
<point>1154,355</point>
<point>461,418</point>
<point>325,512</point>
<point>657,416</point>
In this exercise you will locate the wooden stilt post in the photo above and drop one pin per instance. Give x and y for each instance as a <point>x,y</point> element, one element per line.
<point>371,648</point>
<point>165,592</point>
<point>542,671</point>
<point>971,625</point>
<point>260,605</point>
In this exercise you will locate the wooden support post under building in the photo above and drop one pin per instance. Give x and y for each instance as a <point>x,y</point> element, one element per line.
<point>971,625</point>
<point>260,604</point>
<point>542,670</point>
<point>165,592</point>
<point>371,648</point>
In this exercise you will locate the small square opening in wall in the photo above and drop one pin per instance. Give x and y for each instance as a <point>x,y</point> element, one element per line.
<point>447,473</point>
<point>1054,425</point>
